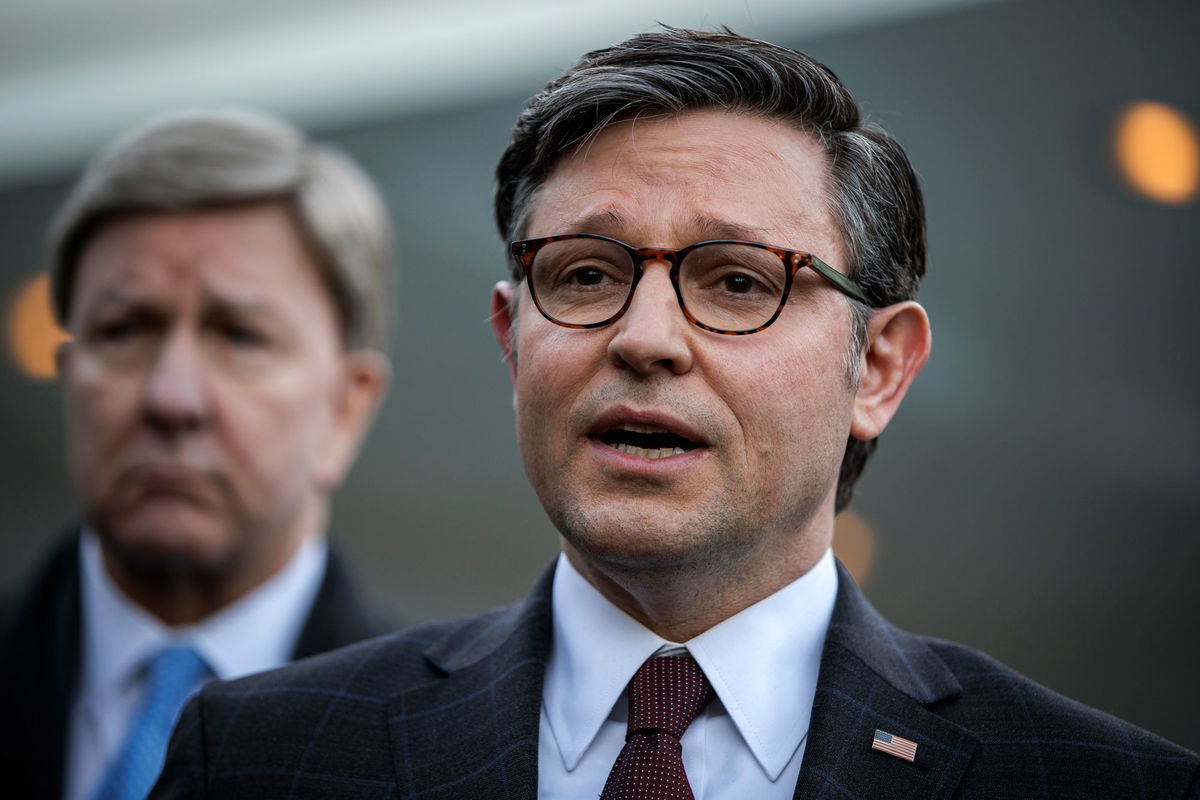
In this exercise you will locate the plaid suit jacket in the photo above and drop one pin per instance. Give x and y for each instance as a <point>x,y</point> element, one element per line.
<point>451,710</point>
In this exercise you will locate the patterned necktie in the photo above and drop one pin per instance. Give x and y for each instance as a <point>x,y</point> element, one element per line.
<point>174,673</point>
<point>665,695</point>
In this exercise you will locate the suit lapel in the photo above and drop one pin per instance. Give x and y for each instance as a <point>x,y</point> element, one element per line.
<point>877,677</point>
<point>473,732</point>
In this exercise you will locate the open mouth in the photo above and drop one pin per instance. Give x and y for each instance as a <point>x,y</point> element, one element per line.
<point>646,441</point>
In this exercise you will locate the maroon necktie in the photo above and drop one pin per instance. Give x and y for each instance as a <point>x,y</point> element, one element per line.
<point>665,695</point>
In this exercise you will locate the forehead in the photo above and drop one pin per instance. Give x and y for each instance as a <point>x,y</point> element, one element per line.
<point>227,252</point>
<point>668,181</point>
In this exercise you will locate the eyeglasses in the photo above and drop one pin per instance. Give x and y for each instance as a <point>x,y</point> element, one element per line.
<point>585,280</point>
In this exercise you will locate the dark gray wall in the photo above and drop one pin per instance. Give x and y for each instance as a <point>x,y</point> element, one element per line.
<point>1035,495</point>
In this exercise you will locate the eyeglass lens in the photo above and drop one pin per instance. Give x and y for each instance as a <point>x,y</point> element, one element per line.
<point>732,287</point>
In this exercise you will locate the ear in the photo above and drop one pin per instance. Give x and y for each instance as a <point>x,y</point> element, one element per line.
<point>898,342</point>
<point>503,320</point>
<point>366,375</point>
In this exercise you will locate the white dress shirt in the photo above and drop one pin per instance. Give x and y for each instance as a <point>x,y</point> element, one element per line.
<point>762,663</point>
<point>257,632</point>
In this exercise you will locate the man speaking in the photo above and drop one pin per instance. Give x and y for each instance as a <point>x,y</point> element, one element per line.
<point>225,284</point>
<point>709,323</point>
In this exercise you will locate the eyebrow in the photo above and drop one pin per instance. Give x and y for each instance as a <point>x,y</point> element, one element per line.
<point>610,219</point>
<point>607,219</point>
<point>249,307</point>
<point>725,229</point>
<point>113,299</point>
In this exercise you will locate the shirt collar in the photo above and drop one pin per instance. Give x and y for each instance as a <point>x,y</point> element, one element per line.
<point>255,633</point>
<point>762,662</point>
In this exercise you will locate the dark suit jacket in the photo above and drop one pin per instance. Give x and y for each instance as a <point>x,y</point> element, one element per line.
<point>40,630</point>
<point>451,710</point>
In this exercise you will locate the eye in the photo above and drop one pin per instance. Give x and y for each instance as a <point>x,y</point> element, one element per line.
<point>122,336</point>
<point>734,272</point>
<point>242,335</point>
<point>740,284</point>
<point>737,281</point>
<point>584,276</point>
<point>587,273</point>
<point>115,331</point>
<point>119,330</point>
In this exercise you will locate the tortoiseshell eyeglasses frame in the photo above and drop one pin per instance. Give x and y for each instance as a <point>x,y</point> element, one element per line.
<point>523,253</point>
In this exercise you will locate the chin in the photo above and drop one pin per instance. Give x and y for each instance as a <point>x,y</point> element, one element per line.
<point>627,537</point>
<point>152,542</point>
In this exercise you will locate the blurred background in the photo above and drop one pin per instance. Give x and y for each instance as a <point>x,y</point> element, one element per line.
<point>1034,498</point>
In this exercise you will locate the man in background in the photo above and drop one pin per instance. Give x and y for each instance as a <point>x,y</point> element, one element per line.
<point>710,319</point>
<point>226,284</point>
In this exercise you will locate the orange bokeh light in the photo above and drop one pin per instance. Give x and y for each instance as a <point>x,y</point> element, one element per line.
<point>33,335</point>
<point>1158,152</point>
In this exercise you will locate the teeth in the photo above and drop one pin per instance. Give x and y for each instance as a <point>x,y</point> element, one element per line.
<point>657,452</point>
<point>637,427</point>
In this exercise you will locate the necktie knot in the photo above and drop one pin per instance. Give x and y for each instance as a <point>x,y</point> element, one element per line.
<point>174,671</point>
<point>666,694</point>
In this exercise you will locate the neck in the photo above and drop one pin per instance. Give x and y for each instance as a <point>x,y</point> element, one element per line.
<point>681,601</point>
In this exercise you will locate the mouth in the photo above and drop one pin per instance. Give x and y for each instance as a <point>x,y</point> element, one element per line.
<point>647,440</point>
<point>167,480</point>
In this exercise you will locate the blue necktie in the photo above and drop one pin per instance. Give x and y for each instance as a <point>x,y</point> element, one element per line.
<point>174,674</point>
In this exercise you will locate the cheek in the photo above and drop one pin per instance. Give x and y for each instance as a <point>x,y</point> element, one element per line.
<point>552,366</point>
<point>101,412</point>
<point>537,404</point>
<point>276,427</point>
<point>555,368</point>
<point>269,459</point>
<point>790,399</point>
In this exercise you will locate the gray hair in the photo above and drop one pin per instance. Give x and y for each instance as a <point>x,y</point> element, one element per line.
<point>196,159</point>
<point>876,200</point>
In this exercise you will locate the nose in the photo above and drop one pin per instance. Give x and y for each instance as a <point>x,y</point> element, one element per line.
<point>176,397</point>
<point>653,334</point>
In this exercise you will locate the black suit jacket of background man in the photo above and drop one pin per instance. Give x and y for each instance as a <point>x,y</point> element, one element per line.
<point>40,643</point>
<point>451,710</point>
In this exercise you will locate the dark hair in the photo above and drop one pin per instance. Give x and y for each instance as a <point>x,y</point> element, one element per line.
<point>201,158</point>
<point>876,199</point>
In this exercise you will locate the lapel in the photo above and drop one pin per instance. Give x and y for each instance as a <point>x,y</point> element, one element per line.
<point>473,730</point>
<point>339,615</point>
<point>875,676</point>
<point>39,666</point>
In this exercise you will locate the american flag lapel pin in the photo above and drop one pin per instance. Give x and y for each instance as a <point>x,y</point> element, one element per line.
<point>894,745</point>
